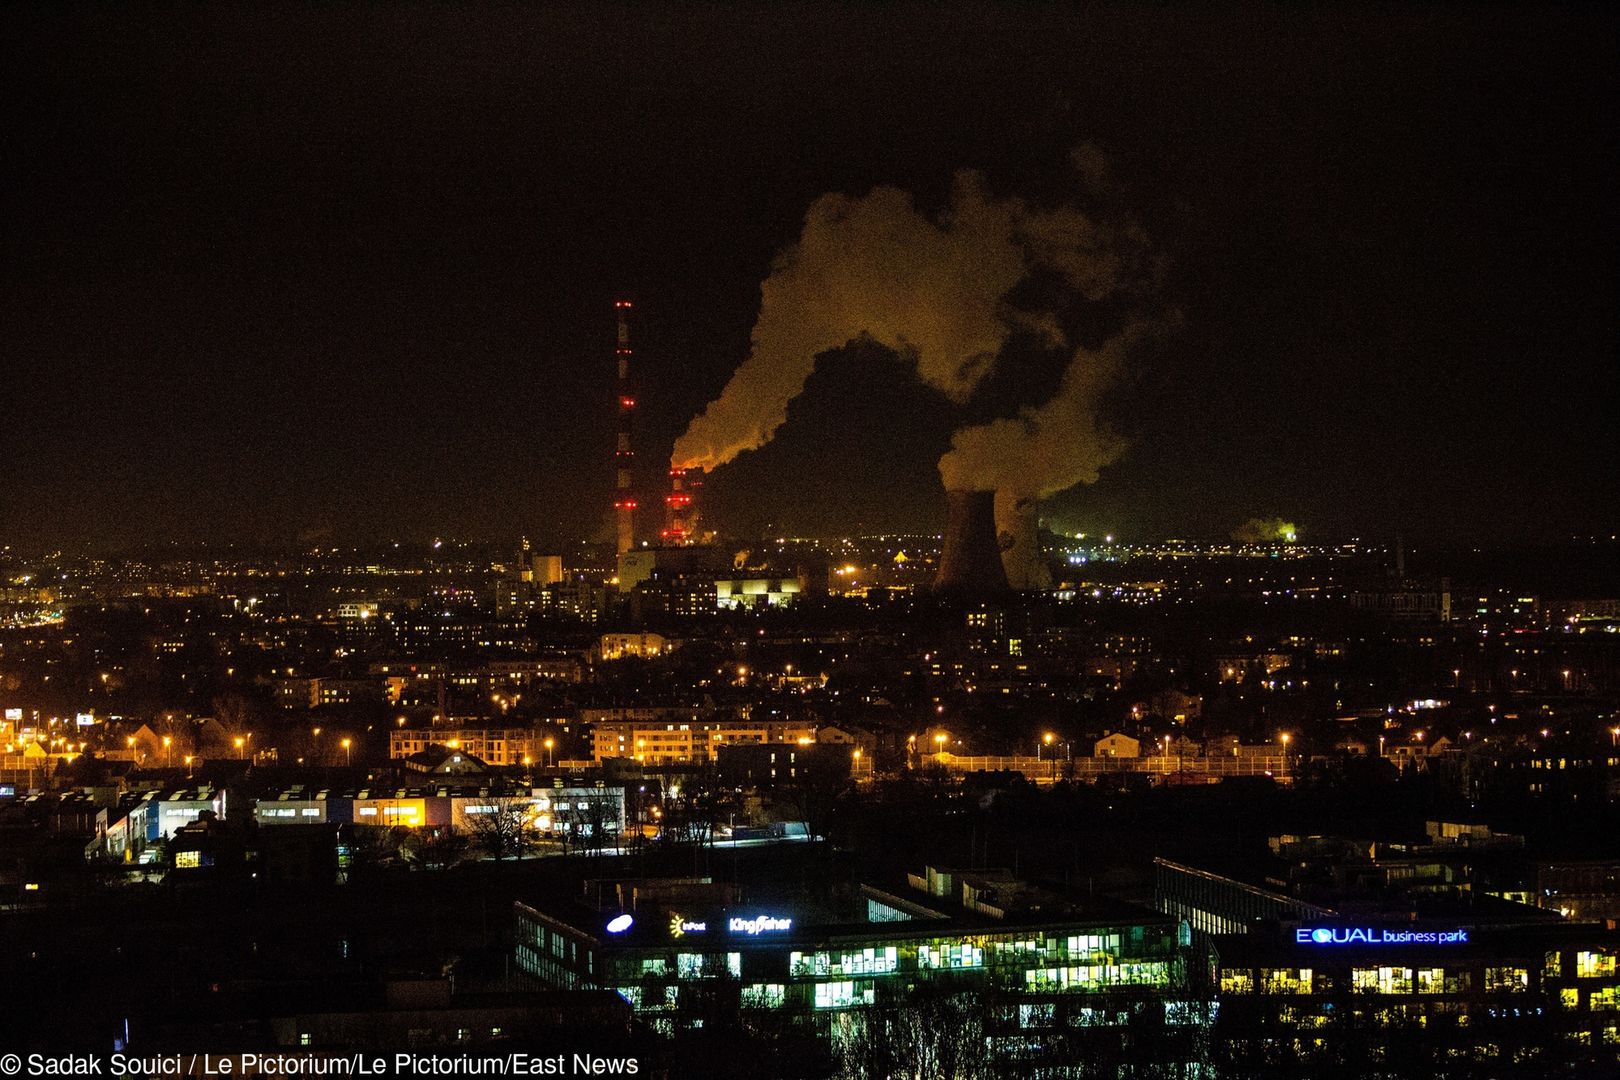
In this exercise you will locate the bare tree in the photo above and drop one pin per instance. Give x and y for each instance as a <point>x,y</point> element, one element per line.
<point>929,1032</point>
<point>597,822</point>
<point>506,829</point>
<point>369,847</point>
<point>436,848</point>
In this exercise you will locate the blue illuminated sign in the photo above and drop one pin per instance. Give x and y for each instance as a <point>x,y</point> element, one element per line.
<point>759,924</point>
<point>620,923</point>
<point>1366,935</point>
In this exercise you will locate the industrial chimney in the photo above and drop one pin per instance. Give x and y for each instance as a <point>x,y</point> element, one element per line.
<point>680,507</point>
<point>1020,542</point>
<point>970,560</point>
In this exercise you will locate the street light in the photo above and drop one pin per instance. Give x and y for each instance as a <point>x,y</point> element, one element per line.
<point>1285,739</point>
<point>168,753</point>
<point>240,743</point>
<point>940,740</point>
<point>348,755</point>
<point>550,742</point>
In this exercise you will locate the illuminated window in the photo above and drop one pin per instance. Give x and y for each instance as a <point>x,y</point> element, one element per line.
<point>1594,964</point>
<point>841,994</point>
<point>1605,1000</point>
<point>1553,965</point>
<point>1285,981</point>
<point>1381,980</point>
<point>764,996</point>
<point>1569,998</point>
<point>1509,980</point>
<point>1431,980</point>
<point>872,961</point>
<point>1036,1015</point>
<point>1237,981</point>
<point>1093,946</point>
<point>962,955</point>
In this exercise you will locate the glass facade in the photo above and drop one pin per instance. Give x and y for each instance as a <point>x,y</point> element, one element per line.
<point>686,978</point>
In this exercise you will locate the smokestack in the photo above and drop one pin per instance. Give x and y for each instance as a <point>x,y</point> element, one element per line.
<point>1019,521</point>
<point>970,561</point>
<point>680,507</point>
<point>624,503</point>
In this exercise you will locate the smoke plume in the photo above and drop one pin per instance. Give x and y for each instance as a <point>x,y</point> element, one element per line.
<point>869,267</point>
<point>936,294</point>
<point>1265,531</point>
<point>1050,447</point>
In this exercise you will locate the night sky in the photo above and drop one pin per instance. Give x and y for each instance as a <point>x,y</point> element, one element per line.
<point>347,272</point>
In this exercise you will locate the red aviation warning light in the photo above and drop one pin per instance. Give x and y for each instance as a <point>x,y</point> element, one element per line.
<point>624,505</point>
<point>680,509</point>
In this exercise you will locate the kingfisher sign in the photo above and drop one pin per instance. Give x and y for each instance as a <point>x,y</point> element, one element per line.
<point>759,924</point>
<point>1367,935</point>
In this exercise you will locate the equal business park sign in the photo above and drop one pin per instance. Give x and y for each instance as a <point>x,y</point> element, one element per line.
<point>1373,935</point>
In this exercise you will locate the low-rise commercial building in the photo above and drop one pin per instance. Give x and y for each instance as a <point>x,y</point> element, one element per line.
<point>684,951</point>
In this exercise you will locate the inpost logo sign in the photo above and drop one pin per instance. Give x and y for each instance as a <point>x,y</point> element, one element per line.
<point>680,925</point>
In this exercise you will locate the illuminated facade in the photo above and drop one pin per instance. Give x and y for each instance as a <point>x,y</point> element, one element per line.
<point>739,594</point>
<point>690,741</point>
<point>564,809</point>
<point>1299,988</point>
<point>494,746</point>
<point>638,645</point>
<point>679,964</point>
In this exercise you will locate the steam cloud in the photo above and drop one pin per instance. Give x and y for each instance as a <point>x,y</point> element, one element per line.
<point>870,267</point>
<point>1265,531</point>
<point>1046,448</point>
<point>935,293</point>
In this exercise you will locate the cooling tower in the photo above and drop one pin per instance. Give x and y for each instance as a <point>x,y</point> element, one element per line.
<point>1019,538</point>
<point>969,560</point>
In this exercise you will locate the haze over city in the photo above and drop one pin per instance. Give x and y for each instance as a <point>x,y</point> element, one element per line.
<point>334,274</point>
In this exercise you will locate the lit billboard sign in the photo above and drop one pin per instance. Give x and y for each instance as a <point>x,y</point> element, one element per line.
<point>620,923</point>
<point>85,719</point>
<point>759,924</point>
<point>680,926</point>
<point>1368,935</point>
<point>14,715</point>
